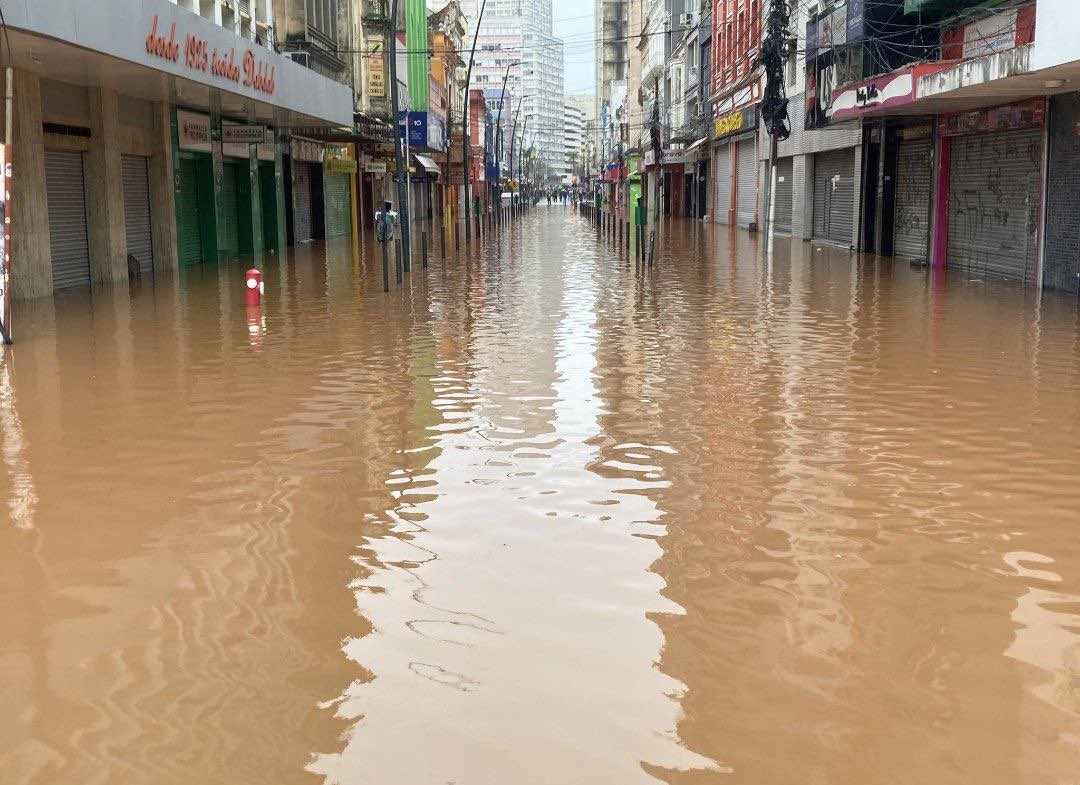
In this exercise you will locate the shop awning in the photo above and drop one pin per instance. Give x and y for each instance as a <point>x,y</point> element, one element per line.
<point>426,162</point>
<point>698,143</point>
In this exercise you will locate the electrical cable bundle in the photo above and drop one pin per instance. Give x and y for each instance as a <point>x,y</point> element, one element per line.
<point>774,105</point>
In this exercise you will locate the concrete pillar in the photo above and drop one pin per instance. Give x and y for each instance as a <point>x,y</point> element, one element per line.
<point>803,197</point>
<point>105,190</point>
<point>162,191</point>
<point>31,259</point>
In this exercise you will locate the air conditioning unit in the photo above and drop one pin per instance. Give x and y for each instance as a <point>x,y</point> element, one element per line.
<point>300,58</point>
<point>686,21</point>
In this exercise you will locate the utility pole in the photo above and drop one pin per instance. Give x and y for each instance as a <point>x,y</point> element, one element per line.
<point>513,138</point>
<point>405,236</point>
<point>773,103</point>
<point>5,183</point>
<point>399,165</point>
<point>658,159</point>
<point>465,127</point>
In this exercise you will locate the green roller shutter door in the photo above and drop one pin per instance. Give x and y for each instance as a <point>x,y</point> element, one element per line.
<point>231,245</point>
<point>338,217</point>
<point>268,198</point>
<point>187,214</point>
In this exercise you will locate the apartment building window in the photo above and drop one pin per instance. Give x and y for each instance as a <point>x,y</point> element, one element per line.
<point>322,18</point>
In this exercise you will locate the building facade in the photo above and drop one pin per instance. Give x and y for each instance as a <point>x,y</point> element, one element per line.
<point>516,44</point>
<point>136,153</point>
<point>573,143</point>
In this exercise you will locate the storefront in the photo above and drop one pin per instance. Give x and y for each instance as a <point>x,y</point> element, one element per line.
<point>226,193</point>
<point>896,155</point>
<point>306,208</point>
<point>120,139</point>
<point>992,163</point>
<point>196,225</point>
<point>339,168</point>
<point>735,170</point>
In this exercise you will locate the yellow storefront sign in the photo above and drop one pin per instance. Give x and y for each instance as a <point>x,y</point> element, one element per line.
<point>339,166</point>
<point>730,123</point>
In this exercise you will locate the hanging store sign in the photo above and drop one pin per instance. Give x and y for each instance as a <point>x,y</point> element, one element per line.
<point>1011,117</point>
<point>306,150</point>
<point>375,167</point>
<point>266,151</point>
<point>376,73</point>
<point>417,123</point>
<point>199,54</point>
<point>736,122</point>
<point>193,131</point>
<point>237,132</point>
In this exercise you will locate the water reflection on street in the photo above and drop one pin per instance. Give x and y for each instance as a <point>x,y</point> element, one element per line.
<point>542,516</point>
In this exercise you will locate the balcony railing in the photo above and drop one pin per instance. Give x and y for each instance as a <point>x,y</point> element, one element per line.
<point>375,11</point>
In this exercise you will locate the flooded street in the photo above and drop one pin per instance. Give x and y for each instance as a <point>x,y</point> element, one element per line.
<point>540,517</point>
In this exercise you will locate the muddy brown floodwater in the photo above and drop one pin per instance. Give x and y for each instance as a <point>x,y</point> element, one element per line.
<point>541,518</point>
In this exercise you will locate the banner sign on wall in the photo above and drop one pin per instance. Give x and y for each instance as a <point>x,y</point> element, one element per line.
<point>193,131</point>
<point>237,132</point>
<point>844,24</point>
<point>1011,117</point>
<point>735,122</point>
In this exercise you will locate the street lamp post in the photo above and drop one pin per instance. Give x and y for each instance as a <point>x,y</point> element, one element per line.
<point>498,144</point>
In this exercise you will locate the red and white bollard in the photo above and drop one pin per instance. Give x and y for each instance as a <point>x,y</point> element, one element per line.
<point>253,296</point>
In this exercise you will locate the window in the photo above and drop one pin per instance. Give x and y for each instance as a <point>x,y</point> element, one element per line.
<point>322,18</point>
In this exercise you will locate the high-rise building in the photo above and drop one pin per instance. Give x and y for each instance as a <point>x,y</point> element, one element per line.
<point>611,17</point>
<point>516,44</point>
<point>573,141</point>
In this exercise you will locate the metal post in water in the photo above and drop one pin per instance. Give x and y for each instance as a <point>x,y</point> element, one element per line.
<point>397,260</point>
<point>385,268</point>
<point>442,238</point>
<point>423,245</point>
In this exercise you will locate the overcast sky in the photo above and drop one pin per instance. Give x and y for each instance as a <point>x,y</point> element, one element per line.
<point>573,22</point>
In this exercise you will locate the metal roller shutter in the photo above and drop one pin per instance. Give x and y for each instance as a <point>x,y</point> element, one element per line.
<point>338,204</point>
<point>834,196</point>
<point>722,204</point>
<point>784,192</point>
<point>746,196</point>
<point>994,199</point>
<point>301,201</point>
<point>911,221</point>
<point>187,214</point>
<point>66,199</point>
<point>229,206</point>
<point>135,174</point>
